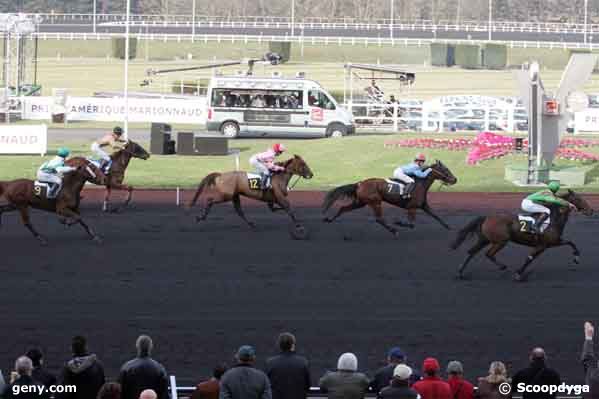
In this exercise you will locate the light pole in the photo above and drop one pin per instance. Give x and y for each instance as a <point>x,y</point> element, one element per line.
<point>391,21</point>
<point>292,17</point>
<point>490,19</point>
<point>126,93</point>
<point>586,12</point>
<point>94,22</point>
<point>193,18</point>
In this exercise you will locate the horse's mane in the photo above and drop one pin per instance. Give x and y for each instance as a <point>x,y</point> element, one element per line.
<point>285,163</point>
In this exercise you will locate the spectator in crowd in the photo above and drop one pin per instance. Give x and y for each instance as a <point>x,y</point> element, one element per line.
<point>537,373</point>
<point>258,102</point>
<point>110,390</point>
<point>384,375</point>
<point>432,386</point>
<point>22,377</point>
<point>40,374</point>
<point>346,382</point>
<point>143,372</point>
<point>400,385</point>
<point>589,361</point>
<point>209,389</point>
<point>243,381</point>
<point>460,388</point>
<point>289,373</point>
<point>148,394</point>
<point>488,387</point>
<point>84,371</point>
<point>2,382</point>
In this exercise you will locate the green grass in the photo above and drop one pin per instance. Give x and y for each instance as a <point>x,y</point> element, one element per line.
<point>334,162</point>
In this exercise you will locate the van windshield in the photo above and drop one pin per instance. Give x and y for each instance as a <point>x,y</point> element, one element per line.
<point>317,98</point>
<point>252,98</point>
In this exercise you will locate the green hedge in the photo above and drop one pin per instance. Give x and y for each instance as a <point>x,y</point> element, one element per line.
<point>495,56</point>
<point>468,56</point>
<point>118,47</point>
<point>442,54</point>
<point>281,48</point>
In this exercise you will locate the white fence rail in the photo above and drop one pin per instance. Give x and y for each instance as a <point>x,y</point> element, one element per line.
<point>309,40</point>
<point>328,22</point>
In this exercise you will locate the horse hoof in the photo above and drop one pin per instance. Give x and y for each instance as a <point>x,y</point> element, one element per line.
<point>576,260</point>
<point>395,234</point>
<point>327,220</point>
<point>252,225</point>
<point>502,268</point>
<point>98,240</point>
<point>43,242</point>
<point>519,277</point>
<point>298,232</point>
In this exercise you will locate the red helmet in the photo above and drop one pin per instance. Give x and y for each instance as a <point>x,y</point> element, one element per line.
<point>278,148</point>
<point>420,157</point>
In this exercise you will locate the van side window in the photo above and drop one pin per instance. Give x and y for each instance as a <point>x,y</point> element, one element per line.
<point>257,98</point>
<point>317,98</point>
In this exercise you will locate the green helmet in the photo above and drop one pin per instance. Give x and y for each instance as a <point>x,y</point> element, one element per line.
<point>63,152</point>
<point>554,186</point>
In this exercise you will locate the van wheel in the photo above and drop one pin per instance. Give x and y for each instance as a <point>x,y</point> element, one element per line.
<point>230,129</point>
<point>336,130</point>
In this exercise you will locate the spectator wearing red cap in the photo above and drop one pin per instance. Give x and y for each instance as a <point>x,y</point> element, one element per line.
<point>432,386</point>
<point>460,388</point>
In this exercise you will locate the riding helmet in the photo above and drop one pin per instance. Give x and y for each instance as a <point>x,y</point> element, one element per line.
<point>117,130</point>
<point>554,186</point>
<point>63,152</point>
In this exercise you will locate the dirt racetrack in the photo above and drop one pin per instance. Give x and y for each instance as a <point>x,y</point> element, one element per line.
<point>202,290</point>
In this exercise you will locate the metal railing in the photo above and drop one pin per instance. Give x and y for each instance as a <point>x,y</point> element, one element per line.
<point>322,23</point>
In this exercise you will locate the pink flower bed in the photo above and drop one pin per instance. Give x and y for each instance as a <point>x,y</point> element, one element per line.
<point>489,145</point>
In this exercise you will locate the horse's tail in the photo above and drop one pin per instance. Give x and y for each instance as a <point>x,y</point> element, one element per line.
<point>206,182</point>
<point>347,191</point>
<point>467,231</point>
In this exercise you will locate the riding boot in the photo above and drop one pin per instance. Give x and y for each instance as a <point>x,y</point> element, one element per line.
<point>54,190</point>
<point>264,181</point>
<point>539,223</point>
<point>409,189</point>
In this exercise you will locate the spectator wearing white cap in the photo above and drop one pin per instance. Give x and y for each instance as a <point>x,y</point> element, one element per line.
<point>400,385</point>
<point>346,382</point>
<point>384,375</point>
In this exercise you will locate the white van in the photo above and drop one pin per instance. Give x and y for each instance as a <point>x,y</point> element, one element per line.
<point>283,107</point>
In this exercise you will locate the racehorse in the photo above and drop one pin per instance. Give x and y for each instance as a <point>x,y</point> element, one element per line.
<point>498,230</point>
<point>116,175</point>
<point>374,191</point>
<point>22,194</point>
<point>224,187</point>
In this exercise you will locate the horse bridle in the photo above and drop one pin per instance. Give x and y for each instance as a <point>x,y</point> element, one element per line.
<point>442,175</point>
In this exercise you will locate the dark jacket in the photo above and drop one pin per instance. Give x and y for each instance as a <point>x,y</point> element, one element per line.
<point>398,390</point>
<point>86,373</point>
<point>384,375</point>
<point>591,370</point>
<point>21,381</point>
<point>289,376</point>
<point>433,388</point>
<point>490,390</point>
<point>244,382</point>
<point>344,385</point>
<point>536,374</point>
<point>143,373</point>
<point>460,388</point>
<point>45,377</point>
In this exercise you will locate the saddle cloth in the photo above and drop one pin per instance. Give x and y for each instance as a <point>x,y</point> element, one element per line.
<point>527,221</point>
<point>394,187</point>
<point>41,190</point>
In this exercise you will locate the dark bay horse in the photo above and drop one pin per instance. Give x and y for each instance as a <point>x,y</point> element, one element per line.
<point>499,230</point>
<point>373,192</point>
<point>116,176</point>
<point>224,187</point>
<point>21,195</point>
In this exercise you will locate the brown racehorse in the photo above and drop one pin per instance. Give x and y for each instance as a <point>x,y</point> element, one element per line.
<point>116,176</point>
<point>498,230</point>
<point>224,187</point>
<point>373,192</point>
<point>21,195</point>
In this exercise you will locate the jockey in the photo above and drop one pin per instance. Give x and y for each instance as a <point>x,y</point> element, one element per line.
<point>536,204</point>
<point>405,174</point>
<point>53,170</point>
<point>264,163</point>
<point>110,140</point>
